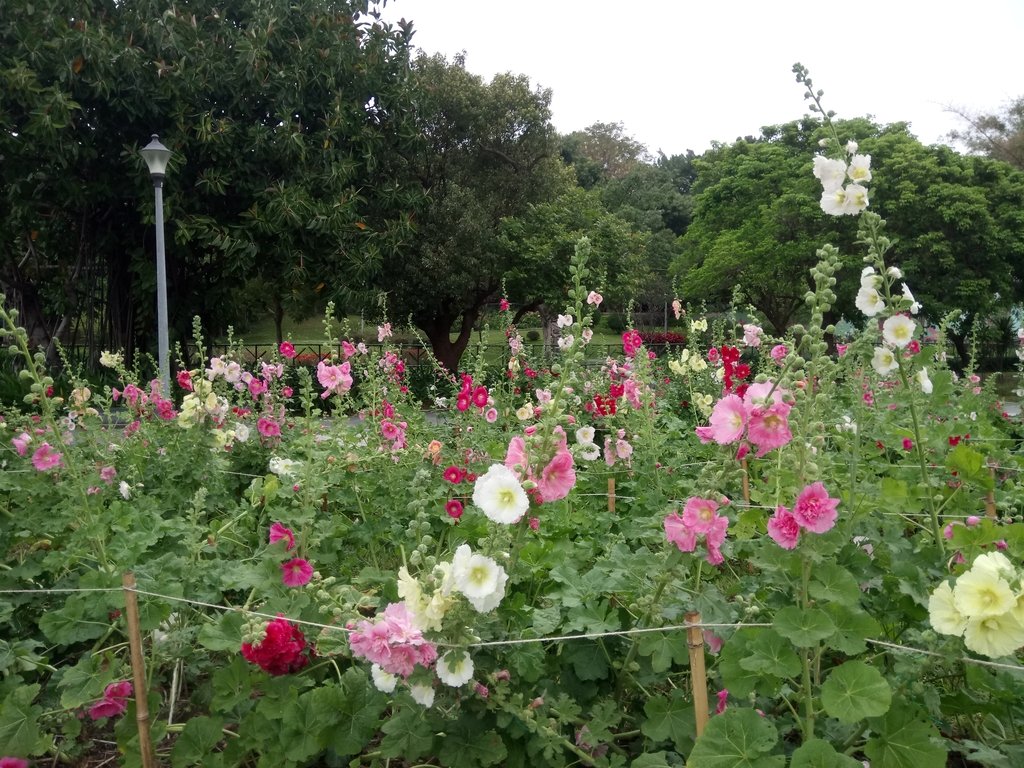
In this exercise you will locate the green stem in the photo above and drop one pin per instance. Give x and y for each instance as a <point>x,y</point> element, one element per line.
<point>922,463</point>
<point>808,691</point>
<point>674,557</point>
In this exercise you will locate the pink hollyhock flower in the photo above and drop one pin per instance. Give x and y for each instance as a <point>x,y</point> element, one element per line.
<point>282,649</point>
<point>348,349</point>
<point>558,477</point>
<point>631,342</point>
<point>393,642</point>
<point>534,523</point>
<point>13,762</point>
<point>769,429</point>
<point>814,509</point>
<point>713,641</point>
<point>480,397</point>
<point>841,349</point>
<point>680,534</point>
<point>491,415</point>
<point>699,514</point>
<point>296,572</point>
<point>752,335</point>
<point>779,352</point>
<point>454,474</point>
<point>723,697</point>
<point>107,708</point>
<point>783,528</point>
<point>107,475</point>
<point>454,509</point>
<point>907,443</point>
<point>279,532</point>
<point>383,332</point>
<point>462,402</point>
<point>184,380</point>
<point>516,458</point>
<point>481,690</point>
<point>594,298</point>
<point>268,427</point>
<point>21,443</point>
<point>714,539</point>
<point>286,392</point>
<point>287,350</point>
<point>705,434</point>
<point>728,420</point>
<point>334,378</point>
<point>45,458</point>
<point>119,690</point>
<point>503,305</point>
<point>389,430</point>
<point>257,387</point>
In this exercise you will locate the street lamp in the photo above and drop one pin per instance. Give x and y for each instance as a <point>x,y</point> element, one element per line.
<point>157,156</point>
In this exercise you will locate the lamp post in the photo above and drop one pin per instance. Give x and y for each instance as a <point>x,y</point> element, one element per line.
<point>157,156</point>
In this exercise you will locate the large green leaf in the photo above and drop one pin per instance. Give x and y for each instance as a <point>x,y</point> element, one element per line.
<point>855,691</point>
<point>407,734</point>
<point>197,741</point>
<point>832,583</point>
<point>670,718</point>
<point>818,753</point>
<point>19,729</point>
<point>904,740</point>
<point>737,738</point>
<point>804,627</point>
<point>664,648</point>
<point>467,745</point>
<point>740,681</point>
<point>359,706</point>
<point>853,628</point>
<point>772,655</point>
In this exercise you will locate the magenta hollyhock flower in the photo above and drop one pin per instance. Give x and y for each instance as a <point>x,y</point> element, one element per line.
<point>503,305</point>
<point>454,509</point>
<point>815,510</point>
<point>257,387</point>
<point>282,649</point>
<point>296,572</point>
<point>480,396</point>
<point>714,538</point>
<point>184,380</point>
<point>279,532</point>
<point>454,474</point>
<point>21,443</point>
<point>389,430</point>
<point>723,697</point>
<point>699,514</point>
<point>13,762</point>
<point>779,352</point>
<point>45,458</point>
<point>783,528</point>
<point>119,690</point>
<point>728,420</point>
<point>678,533</point>
<point>107,708</point>
<point>287,350</point>
<point>268,427</point>
<point>631,342</point>
<point>558,477</point>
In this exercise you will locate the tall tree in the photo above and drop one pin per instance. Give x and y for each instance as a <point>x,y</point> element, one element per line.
<point>484,152</point>
<point>999,135</point>
<point>602,151</point>
<point>282,117</point>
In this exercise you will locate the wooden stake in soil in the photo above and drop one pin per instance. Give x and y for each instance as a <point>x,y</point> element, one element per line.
<point>990,497</point>
<point>746,483</point>
<point>611,495</point>
<point>698,672</point>
<point>131,606</point>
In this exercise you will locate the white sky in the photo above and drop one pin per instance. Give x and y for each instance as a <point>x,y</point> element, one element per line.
<point>680,74</point>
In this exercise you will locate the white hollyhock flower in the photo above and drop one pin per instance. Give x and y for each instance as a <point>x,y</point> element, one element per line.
<point>833,201</point>
<point>383,681</point>
<point>565,342</point>
<point>884,361</point>
<point>924,381</point>
<point>851,147</point>
<point>110,359</point>
<point>479,578</point>
<point>284,468</point>
<point>500,496</point>
<point>894,272</point>
<point>943,614</point>
<point>589,451</point>
<point>898,330</point>
<point>564,321</point>
<point>855,199</point>
<point>915,307</point>
<point>869,301</point>
<point>860,169</point>
<point>831,173</point>
<point>455,669</point>
<point>869,278</point>
<point>585,435</point>
<point>125,490</point>
<point>422,694</point>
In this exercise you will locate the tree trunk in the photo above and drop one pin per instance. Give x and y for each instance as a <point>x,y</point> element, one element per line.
<point>438,331</point>
<point>278,318</point>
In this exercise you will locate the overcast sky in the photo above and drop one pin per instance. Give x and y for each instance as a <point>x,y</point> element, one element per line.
<point>680,74</point>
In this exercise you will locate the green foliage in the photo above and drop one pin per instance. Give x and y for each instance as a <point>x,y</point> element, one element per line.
<point>738,738</point>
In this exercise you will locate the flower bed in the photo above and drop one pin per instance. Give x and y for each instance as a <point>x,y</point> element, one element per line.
<point>515,583</point>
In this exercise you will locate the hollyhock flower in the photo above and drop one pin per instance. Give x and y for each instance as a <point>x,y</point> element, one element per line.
<point>478,578</point>
<point>860,168</point>
<point>503,305</point>
<point>282,649</point>
<point>499,495</point>
<point>422,694</point>
<point>586,334</point>
<point>723,697</point>
<point>119,690</point>
<point>454,474</point>
<point>107,474</point>
<point>589,452</point>
<point>752,334</point>
<point>268,427</point>
<point>678,533</point>
<point>594,298</point>
<point>831,173</point>
<point>898,330</point>
<point>491,415</point>
<point>768,428</point>
<point>480,397</point>
<point>184,380</point>
<point>284,468</point>
<point>564,321</point>
<point>815,510</point>
<point>107,708</point>
<point>334,378</point>
<point>833,201</point>
<point>855,199</point>
<point>111,359</point>
<point>981,593</point>
<point>869,300</point>
<point>296,572</point>
<point>45,458</point>
<point>383,332</point>
<point>841,349</point>
<point>714,539</point>
<point>783,528</point>
<point>623,449</point>
<point>923,381</point>
<point>699,514</point>
<point>383,681</point>
<point>779,352</point>
<point>21,443</point>
<point>454,509</point>
<point>851,147</point>
<point>481,690</point>
<point>393,641</point>
<point>943,614</point>
<point>884,361</point>
<point>566,342</point>
<point>257,387</point>
<point>558,477</point>
<point>455,669</point>
<point>728,420</point>
<point>631,342</point>
<point>287,350</point>
<point>677,308</point>
<point>994,636</point>
<point>585,435</point>
<point>279,532</point>
<point>713,641</point>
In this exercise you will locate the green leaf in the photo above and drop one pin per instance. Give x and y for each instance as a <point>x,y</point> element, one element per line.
<point>740,681</point>
<point>855,691</point>
<point>904,740</point>
<point>465,746</point>
<point>197,741</point>
<point>651,760</point>
<point>407,734</point>
<point>359,706</point>
<point>78,620</point>
<point>670,718</point>
<point>223,635</point>
<point>771,654</point>
<point>737,738</point>
<point>19,731</point>
<point>853,627</point>
<point>818,753</point>
<point>832,583</point>
<point>969,465</point>
<point>546,620</point>
<point>664,648</point>
<point>588,660</point>
<point>803,627</point>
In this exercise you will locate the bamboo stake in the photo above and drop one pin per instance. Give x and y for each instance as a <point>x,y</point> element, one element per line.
<point>698,672</point>
<point>611,495</point>
<point>131,606</point>
<point>746,483</point>
<point>990,497</point>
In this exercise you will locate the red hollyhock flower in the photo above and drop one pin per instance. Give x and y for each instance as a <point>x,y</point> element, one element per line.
<point>454,474</point>
<point>282,651</point>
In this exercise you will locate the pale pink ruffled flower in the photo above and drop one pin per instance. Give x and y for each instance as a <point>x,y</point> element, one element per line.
<point>728,420</point>
<point>815,510</point>
<point>783,528</point>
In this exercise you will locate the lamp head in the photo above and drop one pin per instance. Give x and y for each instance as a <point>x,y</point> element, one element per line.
<point>156,156</point>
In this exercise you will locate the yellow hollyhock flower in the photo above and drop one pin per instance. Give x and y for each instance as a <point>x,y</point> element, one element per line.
<point>942,612</point>
<point>994,636</point>
<point>982,593</point>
